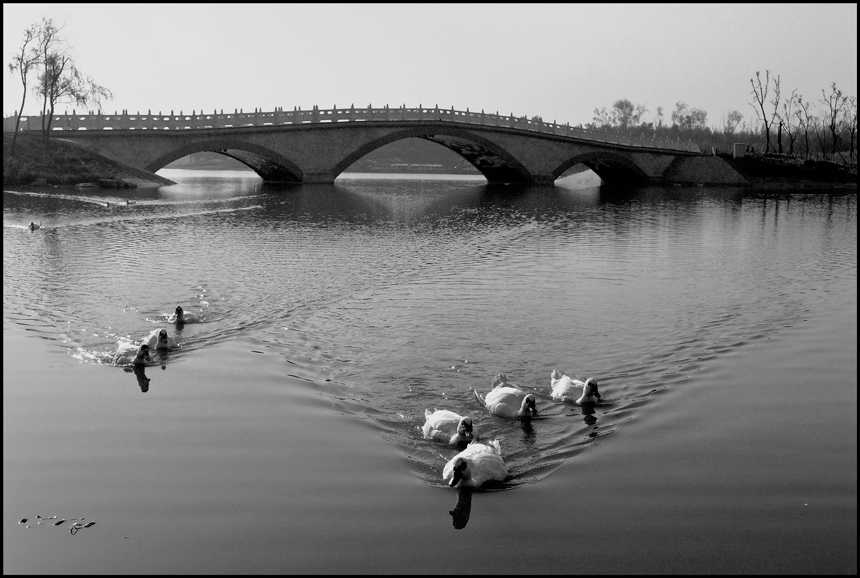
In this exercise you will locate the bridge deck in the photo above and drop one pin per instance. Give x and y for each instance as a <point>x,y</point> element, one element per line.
<point>279,117</point>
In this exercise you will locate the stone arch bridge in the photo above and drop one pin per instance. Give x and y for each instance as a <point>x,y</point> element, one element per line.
<point>315,146</point>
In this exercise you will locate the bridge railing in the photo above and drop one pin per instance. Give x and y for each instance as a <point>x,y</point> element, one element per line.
<point>297,116</point>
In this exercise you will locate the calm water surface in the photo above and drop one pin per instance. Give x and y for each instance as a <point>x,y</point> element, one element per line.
<point>283,434</point>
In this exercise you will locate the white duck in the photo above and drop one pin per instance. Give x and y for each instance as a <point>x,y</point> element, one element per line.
<point>475,465</point>
<point>179,316</point>
<point>507,400</point>
<point>575,390</point>
<point>448,427</point>
<point>129,353</point>
<point>159,339</point>
<point>33,226</point>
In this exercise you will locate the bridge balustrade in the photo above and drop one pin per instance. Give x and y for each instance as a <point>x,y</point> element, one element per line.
<point>203,121</point>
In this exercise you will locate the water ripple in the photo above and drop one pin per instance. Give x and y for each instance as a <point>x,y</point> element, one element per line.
<point>387,299</point>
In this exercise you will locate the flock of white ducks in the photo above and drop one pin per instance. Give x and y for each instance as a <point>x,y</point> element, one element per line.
<point>482,462</point>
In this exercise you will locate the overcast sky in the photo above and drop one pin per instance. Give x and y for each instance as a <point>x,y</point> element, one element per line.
<point>553,60</point>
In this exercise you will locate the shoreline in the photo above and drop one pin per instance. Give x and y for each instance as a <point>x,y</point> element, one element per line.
<point>63,163</point>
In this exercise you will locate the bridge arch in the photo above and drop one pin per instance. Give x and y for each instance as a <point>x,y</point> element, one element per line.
<point>267,163</point>
<point>494,162</point>
<point>609,166</point>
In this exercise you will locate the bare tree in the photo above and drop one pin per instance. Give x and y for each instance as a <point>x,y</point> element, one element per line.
<point>849,120</point>
<point>787,117</point>
<point>834,102</point>
<point>820,134</point>
<point>804,119</point>
<point>22,63</point>
<point>60,79</point>
<point>759,93</point>
<point>48,44</point>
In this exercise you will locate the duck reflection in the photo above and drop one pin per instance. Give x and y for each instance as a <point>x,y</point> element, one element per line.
<point>528,431</point>
<point>139,371</point>
<point>588,413</point>
<point>462,508</point>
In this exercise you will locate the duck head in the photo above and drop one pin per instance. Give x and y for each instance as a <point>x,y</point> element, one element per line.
<point>529,407</point>
<point>466,430</point>
<point>556,375</point>
<point>179,312</point>
<point>460,472</point>
<point>142,353</point>
<point>590,393</point>
<point>162,337</point>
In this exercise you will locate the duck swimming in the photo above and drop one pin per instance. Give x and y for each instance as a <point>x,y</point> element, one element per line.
<point>448,427</point>
<point>507,400</point>
<point>159,339</point>
<point>574,390</point>
<point>179,316</point>
<point>33,226</point>
<point>477,464</point>
<point>128,352</point>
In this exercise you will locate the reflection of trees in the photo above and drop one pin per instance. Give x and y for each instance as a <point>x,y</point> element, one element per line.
<point>463,507</point>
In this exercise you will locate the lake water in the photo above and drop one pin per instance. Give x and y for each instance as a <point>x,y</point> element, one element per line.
<point>283,434</point>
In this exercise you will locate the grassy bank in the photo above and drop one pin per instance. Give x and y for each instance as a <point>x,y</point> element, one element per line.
<point>63,163</point>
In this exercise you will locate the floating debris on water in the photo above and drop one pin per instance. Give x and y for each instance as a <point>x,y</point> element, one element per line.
<point>58,522</point>
<point>23,521</point>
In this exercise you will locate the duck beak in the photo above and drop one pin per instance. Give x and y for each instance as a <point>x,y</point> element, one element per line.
<point>456,479</point>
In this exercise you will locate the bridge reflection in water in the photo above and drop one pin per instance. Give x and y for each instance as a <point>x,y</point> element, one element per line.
<point>315,146</point>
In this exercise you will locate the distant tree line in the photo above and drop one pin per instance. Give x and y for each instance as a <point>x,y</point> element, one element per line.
<point>44,53</point>
<point>790,126</point>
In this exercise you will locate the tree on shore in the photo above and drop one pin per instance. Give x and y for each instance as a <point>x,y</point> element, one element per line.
<point>759,93</point>
<point>824,129</point>
<point>787,117</point>
<point>686,118</point>
<point>624,115</point>
<point>659,117</point>
<point>732,121</point>
<point>804,118</point>
<point>22,63</point>
<point>60,79</point>
<point>820,134</point>
<point>834,103</point>
<point>850,122</point>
